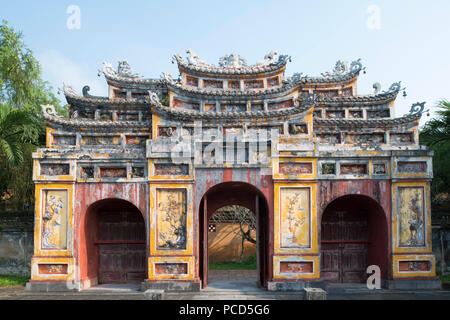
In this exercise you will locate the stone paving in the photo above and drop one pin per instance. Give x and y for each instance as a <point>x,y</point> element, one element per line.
<point>232,275</point>
<point>226,285</point>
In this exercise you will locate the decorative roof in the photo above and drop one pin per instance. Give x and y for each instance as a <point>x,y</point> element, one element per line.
<point>181,114</point>
<point>123,74</point>
<point>178,87</point>
<point>232,64</point>
<point>366,123</point>
<point>370,99</point>
<point>75,99</point>
<point>51,116</point>
<point>341,72</point>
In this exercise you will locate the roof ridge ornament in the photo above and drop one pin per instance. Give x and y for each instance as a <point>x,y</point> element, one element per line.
<point>123,70</point>
<point>395,87</point>
<point>232,61</point>
<point>194,58</point>
<point>167,77</point>
<point>417,108</point>
<point>341,68</point>
<point>69,90</point>
<point>49,111</point>
<point>154,98</point>
<point>377,87</point>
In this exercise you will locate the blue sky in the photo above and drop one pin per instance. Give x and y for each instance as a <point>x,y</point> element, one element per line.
<point>411,45</point>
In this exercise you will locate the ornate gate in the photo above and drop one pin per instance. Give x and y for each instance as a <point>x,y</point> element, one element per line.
<point>344,246</point>
<point>121,245</point>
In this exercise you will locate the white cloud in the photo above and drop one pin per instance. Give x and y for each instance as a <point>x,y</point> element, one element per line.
<point>57,69</point>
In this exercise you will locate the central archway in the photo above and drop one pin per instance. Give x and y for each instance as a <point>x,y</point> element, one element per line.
<point>240,194</point>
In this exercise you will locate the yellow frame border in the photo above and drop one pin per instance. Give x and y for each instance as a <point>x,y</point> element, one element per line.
<point>278,275</point>
<point>399,274</point>
<point>38,219</point>
<point>190,261</point>
<point>35,275</point>
<point>313,219</point>
<point>278,175</point>
<point>154,251</point>
<point>427,215</point>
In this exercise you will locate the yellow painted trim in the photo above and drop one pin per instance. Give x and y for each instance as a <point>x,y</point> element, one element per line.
<point>409,175</point>
<point>60,178</point>
<point>278,175</point>
<point>49,137</point>
<point>38,219</point>
<point>278,275</point>
<point>154,251</point>
<point>313,219</point>
<point>152,176</point>
<point>156,120</point>
<point>190,261</point>
<point>35,262</point>
<point>399,274</point>
<point>427,216</point>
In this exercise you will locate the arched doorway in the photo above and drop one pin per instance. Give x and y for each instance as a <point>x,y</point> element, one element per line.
<point>115,242</point>
<point>239,194</point>
<point>232,244</point>
<point>354,235</point>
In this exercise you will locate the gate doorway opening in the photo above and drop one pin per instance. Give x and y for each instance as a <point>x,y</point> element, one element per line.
<point>241,195</point>
<point>354,236</point>
<point>232,244</point>
<point>115,242</point>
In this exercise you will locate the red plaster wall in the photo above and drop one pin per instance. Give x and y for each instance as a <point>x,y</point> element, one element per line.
<point>378,204</point>
<point>85,219</point>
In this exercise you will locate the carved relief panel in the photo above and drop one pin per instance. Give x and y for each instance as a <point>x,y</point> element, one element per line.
<point>295,217</point>
<point>54,219</point>
<point>411,217</point>
<point>171,219</point>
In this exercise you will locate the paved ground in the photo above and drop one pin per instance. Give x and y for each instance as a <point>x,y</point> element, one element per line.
<point>227,285</point>
<point>232,275</point>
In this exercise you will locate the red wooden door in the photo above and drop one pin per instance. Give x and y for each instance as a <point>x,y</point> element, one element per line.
<point>344,246</point>
<point>121,244</point>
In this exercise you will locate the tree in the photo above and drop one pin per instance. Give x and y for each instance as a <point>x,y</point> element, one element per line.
<point>436,135</point>
<point>437,130</point>
<point>241,216</point>
<point>22,128</point>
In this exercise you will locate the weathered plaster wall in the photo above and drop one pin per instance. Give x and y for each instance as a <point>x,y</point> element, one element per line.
<point>16,243</point>
<point>379,231</point>
<point>88,194</point>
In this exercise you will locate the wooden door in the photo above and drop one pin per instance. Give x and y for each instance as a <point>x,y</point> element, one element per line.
<point>344,246</point>
<point>121,244</point>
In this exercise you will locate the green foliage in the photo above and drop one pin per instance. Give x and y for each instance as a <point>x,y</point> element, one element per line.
<point>21,85</point>
<point>437,130</point>
<point>436,135</point>
<point>22,128</point>
<point>246,264</point>
<point>445,279</point>
<point>13,281</point>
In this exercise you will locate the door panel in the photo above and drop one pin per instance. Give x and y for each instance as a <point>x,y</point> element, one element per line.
<point>344,246</point>
<point>122,247</point>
